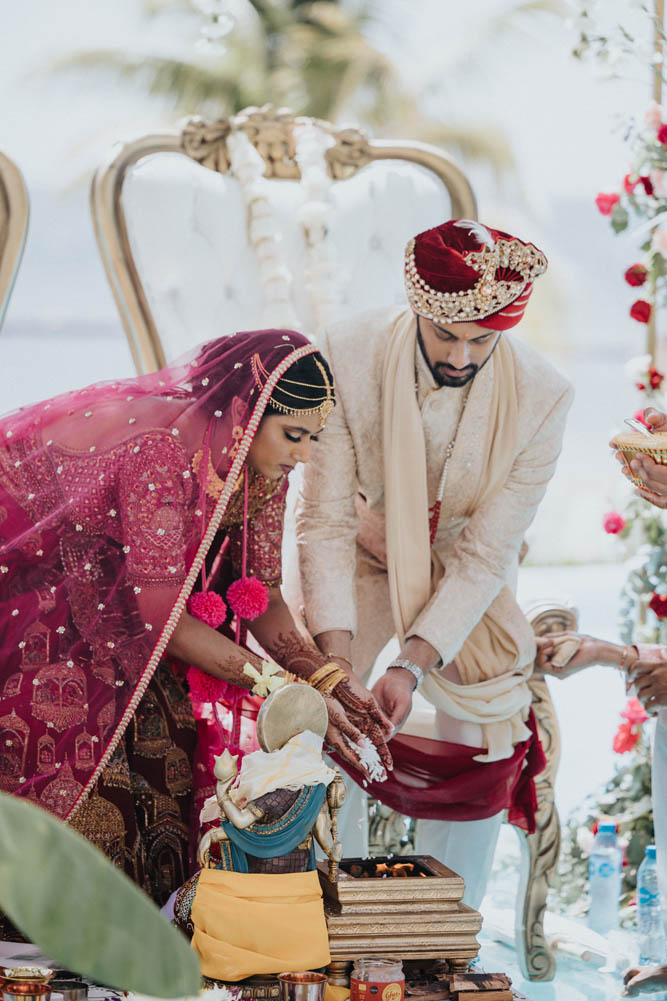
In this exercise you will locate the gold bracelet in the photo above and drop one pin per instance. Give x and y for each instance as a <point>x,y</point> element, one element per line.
<point>327,686</point>
<point>325,678</point>
<point>322,672</point>
<point>339,656</point>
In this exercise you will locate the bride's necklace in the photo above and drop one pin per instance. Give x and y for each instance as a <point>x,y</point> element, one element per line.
<point>434,517</point>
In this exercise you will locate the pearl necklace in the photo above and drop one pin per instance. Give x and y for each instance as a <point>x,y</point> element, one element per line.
<point>435,510</point>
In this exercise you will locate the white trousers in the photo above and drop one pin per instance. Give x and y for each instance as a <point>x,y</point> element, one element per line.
<point>659,796</point>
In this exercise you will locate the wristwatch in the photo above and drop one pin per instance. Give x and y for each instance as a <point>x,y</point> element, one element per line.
<point>409,665</point>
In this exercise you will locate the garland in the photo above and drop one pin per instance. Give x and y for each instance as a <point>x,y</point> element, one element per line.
<point>315,216</point>
<point>322,273</point>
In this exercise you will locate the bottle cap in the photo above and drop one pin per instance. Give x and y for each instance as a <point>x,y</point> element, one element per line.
<point>607,827</point>
<point>650,852</point>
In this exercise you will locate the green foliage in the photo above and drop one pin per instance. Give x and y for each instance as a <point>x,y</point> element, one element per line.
<point>83,912</point>
<point>627,799</point>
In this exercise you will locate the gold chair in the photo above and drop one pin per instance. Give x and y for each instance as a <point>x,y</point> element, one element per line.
<point>14,211</point>
<point>163,290</point>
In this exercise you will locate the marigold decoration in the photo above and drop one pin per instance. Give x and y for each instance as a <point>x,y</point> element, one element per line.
<point>248,598</point>
<point>208,607</point>
<point>641,311</point>
<point>606,202</point>
<point>613,523</point>
<point>636,275</point>
<point>658,605</point>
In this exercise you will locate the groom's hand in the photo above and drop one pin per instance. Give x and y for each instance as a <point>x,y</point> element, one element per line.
<point>393,692</point>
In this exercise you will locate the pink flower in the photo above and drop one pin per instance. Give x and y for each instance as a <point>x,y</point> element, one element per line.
<point>655,377</point>
<point>630,182</point>
<point>625,739</point>
<point>653,115</point>
<point>639,416</point>
<point>659,241</point>
<point>634,712</point>
<point>641,311</point>
<point>613,523</point>
<point>248,597</point>
<point>606,202</point>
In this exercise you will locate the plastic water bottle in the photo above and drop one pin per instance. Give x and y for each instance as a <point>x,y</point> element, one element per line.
<point>604,879</point>
<point>649,917</point>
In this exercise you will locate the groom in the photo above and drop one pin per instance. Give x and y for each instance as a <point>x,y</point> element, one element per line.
<point>412,516</point>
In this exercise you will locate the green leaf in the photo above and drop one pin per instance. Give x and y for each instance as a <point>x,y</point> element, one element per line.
<point>619,219</point>
<point>83,912</point>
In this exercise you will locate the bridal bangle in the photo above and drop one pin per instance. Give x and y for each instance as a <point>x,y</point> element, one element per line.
<point>409,665</point>
<point>339,656</point>
<point>325,678</point>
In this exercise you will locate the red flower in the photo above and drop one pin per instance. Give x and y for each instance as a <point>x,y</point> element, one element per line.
<point>641,311</point>
<point>655,377</point>
<point>634,712</point>
<point>248,597</point>
<point>636,275</point>
<point>625,739</point>
<point>613,523</point>
<point>605,202</point>
<point>629,185</point>
<point>662,135</point>
<point>639,416</point>
<point>658,604</point>
<point>647,184</point>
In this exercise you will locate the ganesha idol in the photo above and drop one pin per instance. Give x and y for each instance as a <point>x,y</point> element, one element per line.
<point>255,906</point>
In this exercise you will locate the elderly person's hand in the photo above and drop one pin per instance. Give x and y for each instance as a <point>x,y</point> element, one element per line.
<point>651,473</point>
<point>649,676</point>
<point>647,980</point>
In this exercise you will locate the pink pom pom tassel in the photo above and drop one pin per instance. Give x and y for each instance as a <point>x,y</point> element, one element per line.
<point>208,607</point>
<point>248,598</point>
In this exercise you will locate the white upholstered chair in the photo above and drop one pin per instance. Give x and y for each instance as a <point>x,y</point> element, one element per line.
<point>181,255</point>
<point>14,210</point>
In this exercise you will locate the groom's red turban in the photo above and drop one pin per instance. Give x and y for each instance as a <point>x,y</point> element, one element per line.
<point>465,271</point>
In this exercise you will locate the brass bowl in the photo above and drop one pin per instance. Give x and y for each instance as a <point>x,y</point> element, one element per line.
<point>633,443</point>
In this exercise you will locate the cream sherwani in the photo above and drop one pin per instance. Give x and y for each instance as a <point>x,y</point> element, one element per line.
<point>344,586</point>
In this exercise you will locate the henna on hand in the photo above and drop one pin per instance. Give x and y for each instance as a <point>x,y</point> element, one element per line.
<point>295,653</point>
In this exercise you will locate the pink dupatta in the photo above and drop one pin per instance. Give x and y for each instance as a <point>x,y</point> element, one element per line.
<point>103,533</point>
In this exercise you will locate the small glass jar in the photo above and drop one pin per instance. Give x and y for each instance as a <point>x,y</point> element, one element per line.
<point>375,979</point>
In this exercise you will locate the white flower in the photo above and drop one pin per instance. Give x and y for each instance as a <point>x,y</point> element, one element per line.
<point>137,590</point>
<point>4,569</point>
<point>15,611</point>
<point>653,115</point>
<point>60,629</point>
<point>113,512</point>
<point>132,420</point>
<point>149,627</point>
<point>218,413</point>
<point>637,368</point>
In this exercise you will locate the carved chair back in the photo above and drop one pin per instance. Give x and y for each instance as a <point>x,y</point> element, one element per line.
<point>182,240</point>
<point>14,210</point>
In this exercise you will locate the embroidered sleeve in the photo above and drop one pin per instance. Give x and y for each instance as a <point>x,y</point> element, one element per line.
<point>265,540</point>
<point>154,495</point>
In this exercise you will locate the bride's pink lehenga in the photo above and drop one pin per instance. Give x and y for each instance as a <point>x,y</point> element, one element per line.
<point>104,529</point>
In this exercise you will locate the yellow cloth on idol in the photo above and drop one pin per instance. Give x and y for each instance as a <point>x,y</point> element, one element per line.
<point>250,923</point>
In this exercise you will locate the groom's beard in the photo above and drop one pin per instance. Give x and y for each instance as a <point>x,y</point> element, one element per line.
<point>444,374</point>
<point>447,375</point>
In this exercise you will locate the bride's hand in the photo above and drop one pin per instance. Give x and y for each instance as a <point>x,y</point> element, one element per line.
<point>348,726</point>
<point>363,711</point>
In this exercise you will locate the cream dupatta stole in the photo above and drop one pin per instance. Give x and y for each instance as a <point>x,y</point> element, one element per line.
<point>493,659</point>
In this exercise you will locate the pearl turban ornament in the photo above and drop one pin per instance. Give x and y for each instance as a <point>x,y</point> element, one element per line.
<point>463,270</point>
